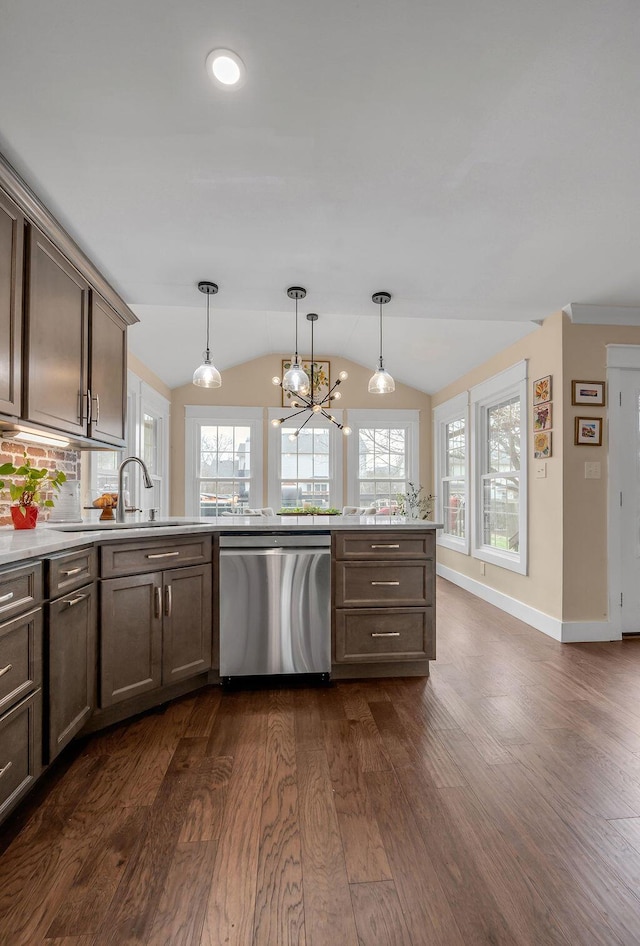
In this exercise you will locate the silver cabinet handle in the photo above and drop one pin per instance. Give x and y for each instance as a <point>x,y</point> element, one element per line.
<point>157,594</point>
<point>167,601</point>
<point>6,597</point>
<point>385,633</point>
<point>76,600</point>
<point>163,555</point>
<point>73,571</point>
<point>5,769</point>
<point>385,546</point>
<point>385,582</point>
<point>6,669</point>
<point>94,420</point>
<point>88,406</point>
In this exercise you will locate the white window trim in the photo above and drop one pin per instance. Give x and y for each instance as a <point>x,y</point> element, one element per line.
<point>384,418</point>
<point>151,401</point>
<point>453,409</point>
<point>198,415</point>
<point>509,383</point>
<point>275,457</point>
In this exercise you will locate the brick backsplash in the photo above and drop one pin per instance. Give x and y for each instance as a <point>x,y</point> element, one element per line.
<point>52,457</point>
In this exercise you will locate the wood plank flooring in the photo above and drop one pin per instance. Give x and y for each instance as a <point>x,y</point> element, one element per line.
<point>497,802</point>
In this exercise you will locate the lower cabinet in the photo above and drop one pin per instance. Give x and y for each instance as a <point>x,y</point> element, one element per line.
<point>20,750</point>
<point>155,629</point>
<point>71,655</point>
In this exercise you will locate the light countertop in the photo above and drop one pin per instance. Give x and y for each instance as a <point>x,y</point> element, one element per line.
<point>48,538</point>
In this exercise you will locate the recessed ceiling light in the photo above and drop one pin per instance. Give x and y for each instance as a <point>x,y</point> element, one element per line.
<point>226,68</point>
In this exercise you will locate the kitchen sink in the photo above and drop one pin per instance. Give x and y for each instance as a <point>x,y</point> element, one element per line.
<point>117,526</point>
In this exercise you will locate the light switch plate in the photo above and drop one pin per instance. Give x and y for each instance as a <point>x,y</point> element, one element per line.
<point>541,470</point>
<point>592,470</point>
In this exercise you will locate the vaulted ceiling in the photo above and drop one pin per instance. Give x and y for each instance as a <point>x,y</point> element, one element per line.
<point>476,158</point>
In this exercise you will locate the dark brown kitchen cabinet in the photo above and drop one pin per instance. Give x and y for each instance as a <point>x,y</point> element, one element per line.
<point>20,750</point>
<point>11,276</point>
<point>155,630</point>
<point>71,664</point>
<point>108,373</point>
<point>57,321</point>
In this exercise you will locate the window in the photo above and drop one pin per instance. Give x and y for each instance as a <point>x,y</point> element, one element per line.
<point>451,452</point>
<point>305,470</point>
<point>500,432</point>
<point>223,460</point>
<point>383,457</point>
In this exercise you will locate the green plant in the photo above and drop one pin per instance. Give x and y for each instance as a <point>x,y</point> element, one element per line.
<point>414,505</point>
<point>308,511</point>
<point>34,481</point>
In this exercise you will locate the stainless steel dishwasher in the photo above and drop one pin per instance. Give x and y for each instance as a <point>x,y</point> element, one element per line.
<point>275,604</point>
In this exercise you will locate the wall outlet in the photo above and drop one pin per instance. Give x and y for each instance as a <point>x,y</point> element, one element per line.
<point>482,568</point>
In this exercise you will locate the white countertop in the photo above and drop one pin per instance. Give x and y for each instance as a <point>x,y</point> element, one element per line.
<point>47,538</point>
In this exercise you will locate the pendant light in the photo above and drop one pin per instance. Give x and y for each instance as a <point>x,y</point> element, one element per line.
<point>381,381</point>
<point>207,375</point>
<point>296,379</point>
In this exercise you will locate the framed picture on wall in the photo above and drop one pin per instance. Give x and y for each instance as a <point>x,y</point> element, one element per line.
<point>542,445</point>
<point>588,432</point>
<point>588,392</point>
<point>542,416</point>
<point>542,390</point>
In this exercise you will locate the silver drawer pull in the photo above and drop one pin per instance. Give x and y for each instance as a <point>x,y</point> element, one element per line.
<point>385,633</point>
<point>385,582</point>
<point>74,571</point>
<point>5,769</point>
<point>163,555</point>
<point>385,546</point>
<point>6,669</point>
<point>72,601</point>
<point>6,597</point>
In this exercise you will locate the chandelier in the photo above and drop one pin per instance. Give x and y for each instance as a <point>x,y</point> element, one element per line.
<point>307,398</point>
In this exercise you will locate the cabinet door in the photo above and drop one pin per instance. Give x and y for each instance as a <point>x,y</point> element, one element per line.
<point>57,339</point>
<point>130,637</point>
<point>11,275</point>
<point>187,622</point>
<point>20,751</point>
<point>108,381</point>
<point>72,659</point>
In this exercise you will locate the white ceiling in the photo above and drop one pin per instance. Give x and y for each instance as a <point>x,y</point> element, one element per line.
<point>477,158</point>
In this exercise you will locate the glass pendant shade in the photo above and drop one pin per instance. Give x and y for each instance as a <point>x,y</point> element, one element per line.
<point>296,380</point>
<point>381,382</point>
<point>207,375</point>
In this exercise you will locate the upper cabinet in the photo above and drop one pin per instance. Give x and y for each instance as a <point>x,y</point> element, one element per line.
<point>70,374</point>
<point>11,271</point>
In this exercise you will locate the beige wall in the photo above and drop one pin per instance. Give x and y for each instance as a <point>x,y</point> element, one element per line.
<point>542,587</point>
<point>249,385</point>
<point>146,374</point>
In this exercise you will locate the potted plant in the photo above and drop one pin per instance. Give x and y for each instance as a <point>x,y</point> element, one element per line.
<point>26,493</point>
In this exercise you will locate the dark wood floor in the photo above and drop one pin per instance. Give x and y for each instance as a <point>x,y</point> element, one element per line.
<point>497,802</point>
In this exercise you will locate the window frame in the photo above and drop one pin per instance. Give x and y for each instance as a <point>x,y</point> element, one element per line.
<point>198,416</point>
<point>274,488</point>
<point>456,408</point>
<point>357,419</point>
<point>490,393</point>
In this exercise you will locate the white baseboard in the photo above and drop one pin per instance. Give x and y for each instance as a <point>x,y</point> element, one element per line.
<point>563,631</point>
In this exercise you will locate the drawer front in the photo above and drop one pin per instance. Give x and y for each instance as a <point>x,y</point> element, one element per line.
<point>20,750</point>
<point>135,558</point>
<point>385,584</point>
<point>72,570</point>
<point>389,546</point>
<point>20,589</point>
<point>20,657</point>
<point>370,634</point>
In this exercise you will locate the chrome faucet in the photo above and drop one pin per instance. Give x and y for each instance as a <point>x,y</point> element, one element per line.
<point>148,482</point>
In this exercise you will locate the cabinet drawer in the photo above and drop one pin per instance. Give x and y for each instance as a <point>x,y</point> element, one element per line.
<point>71,570</point>
<point>372,634</point>
<point>358,584</point>
<point>135,558</point>
<point>20,657</point>
<point>390,546</point>
<point>20,750</point>
<point>20,589</point>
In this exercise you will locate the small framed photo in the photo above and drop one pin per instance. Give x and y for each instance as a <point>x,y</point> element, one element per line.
<point>588,431</point>
<point>588,392</point>
<point>542,416</point>
<point>542,446</point>
<point>542,390</point>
